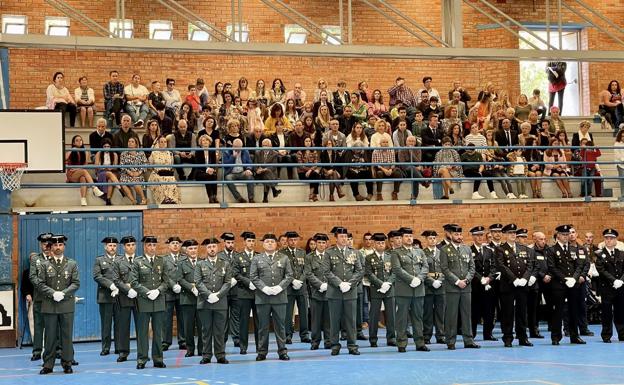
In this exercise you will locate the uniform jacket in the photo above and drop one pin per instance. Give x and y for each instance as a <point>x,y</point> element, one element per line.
<point>103,274</point>
<point>340,267</point>
<point>434,271</point>
<point>228,258</point>
<point>297,262</point>
<point>174,277</point>
<point>610,266</point>
<point>513,265</point>
<point>563,265</point>
<point>457,264</point>
<point>121,278</point>
<point>36,259</point>
<point>186,272</point>
<point>315,276</point>
<point>407,264</point>
<point>378,269</point>
<point>271,272</point>
<point>213,278</point>
<point>145,277</point>
<point>63,277</point>
<point>241,267</point>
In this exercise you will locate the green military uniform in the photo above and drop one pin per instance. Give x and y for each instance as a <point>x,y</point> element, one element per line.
<point>378,269</point>
<point>103,275</point>
<point>172,302</point>
<point>269,271</point>
<point>188,301</point>
<point>435,298</point>
<point>241,268</point>
<point>150,277</point>
<point>319,307</point>
<point>126,301</point>
<point>410,269</point>
<point>457,264</point>
<point>233,324</point>
<point>36,260</point>
<point>213,277</point>
<point>59,275</point>
<point>300,296</point>
<point>342,265</point>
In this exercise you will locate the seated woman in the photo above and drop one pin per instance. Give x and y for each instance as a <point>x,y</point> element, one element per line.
<point>85,102</point>
<point>357,133</point>
<point>321,122</point>
<point>522,108</point>
<point>610,108</point>
<point>329,156</point>
<point>457,139</point>
<point>447,165</point>
<point>131,175</point>
<point>292,114</point>
<point>164,193</point>
<point>525,133</point>
<point>323,101</point>
<point>557,168</point>
<point>80,175</point>
<point>107,173</point>
<point>58,98</point>
<point>309,172</point>
<point>534,121</point>
<point>150,136</point>
<point>186,113</point>
<point>535,170</point>
<point>582,133</point>
<point>233,133</point>
<point>276,114</point>
<point>360,109</point>
<point>356,170</point>
<point>495,170</point>
<point>376,106</point>
<point>204,171</point>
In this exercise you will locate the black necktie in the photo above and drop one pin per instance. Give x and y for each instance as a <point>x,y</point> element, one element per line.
<point>130,260</point>
<point>509,137</point>
<point>58,261</point>
<point>565,249</point>
<point>151,261</point>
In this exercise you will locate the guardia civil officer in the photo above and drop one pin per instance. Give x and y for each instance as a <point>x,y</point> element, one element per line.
<point>433,307</point>
<point>126,298</point>
<point>58,282</point>
<point>610,266</point>
<point>107,292</point>
<point>297,291</point>
<point>228,253</point>
<point>241,267</point>
<point>172,296</point>
<point>36,260</point>
<point>483,298</point>
<point>315,277</point>
<point>188,298</point>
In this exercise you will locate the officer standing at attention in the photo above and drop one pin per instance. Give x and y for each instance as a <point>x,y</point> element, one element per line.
<point>213,277</point>
<point>343,273</point>
<point>188,298</point>
<point>36,260</point>
<point>126,298</point>
<point>543,280</point>
<point>315,278</point>
<point>149,278</point>
<point>297,291</point>
<point>533,298</point>
<point>233,324</point>
<point>361,305</point>
<point>565,268</point>
<point>483,298</point>
<point>58,282</point>
<point>516,266</point>
<point>241,267</point>
<point>458,268</point>
<point>409,266</point>
<point>106,292</point>
<point>271,274</point>
<point>433,308</point>
<point>378,270</point>
<point>172,296</point>
<point>610,266</point>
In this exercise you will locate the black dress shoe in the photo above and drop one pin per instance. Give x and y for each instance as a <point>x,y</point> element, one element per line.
<point>243,351</point>
<point>525,343</point>
<point>58,355</point>
<point>354,352</point>
<point>141,365</point>
<point>74,363</point>
<point>537,335</point>
<point>472,346</point>
<point>402,349</point>
<point>577,340</point>
<point>288,341</point>
<point>189,354</point>
<point>165,347</point>
<point>409,335</point>
<point>490,338</point>
<point>306,340</point>
<point>122,358</point>
<point>373,344</point>
<point>222,361</point>
<point>116,351</point>
<point>508,345</point>
<point>314,347</point>
<point>261,357</point>
<point>555,343</point>
<point>441,341</point>
<point>284,357</point>
<point>335,352</point>
<point>45,371</point>
<point>391,343</point>
<point>35,357</point>
<point>587,333</point>
<point>104,353</point>
<point>236,344</point>
<point>423,349</point>
<point>68,370</point>
<point>159,365</point>
<point>450,347</point>
<point>428,342</point>
<point>182,347</point>
<point>362,337</point>
<point>327,346</point>
<point>606,340</point>
<point>204,361</point>
<point>343,337</point>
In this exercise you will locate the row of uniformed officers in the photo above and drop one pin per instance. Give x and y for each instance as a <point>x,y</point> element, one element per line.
<point>429,287</point>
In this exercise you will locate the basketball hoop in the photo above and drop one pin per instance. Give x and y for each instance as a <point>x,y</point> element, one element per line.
<point>11,175</point>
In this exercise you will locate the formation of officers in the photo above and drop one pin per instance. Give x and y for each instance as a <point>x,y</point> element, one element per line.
<point>435,289</point>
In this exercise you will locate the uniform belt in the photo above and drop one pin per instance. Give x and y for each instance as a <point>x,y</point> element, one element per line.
<point>433,275</point>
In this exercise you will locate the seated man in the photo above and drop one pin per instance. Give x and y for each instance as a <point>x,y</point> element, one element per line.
<point>412,154</point>
<point>136,101</point>
<point>114,98</point>
<point>385,168</point>
<point>262,157</point>
<point>173,100</point>
<point>100,133</point>
<point>182,138</point>
<point>120,138</point>
<point>155,99</point>
<point>240,169</point>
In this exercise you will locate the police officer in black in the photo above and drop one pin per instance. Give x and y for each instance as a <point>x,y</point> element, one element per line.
<point>610,266</point>
<point>543,281</point>
<point>483,298</point>
<point>317,282</point>
<point>297,291</point>
<point>107,291</point>
<point>565,268</point>
<point>241,267</point>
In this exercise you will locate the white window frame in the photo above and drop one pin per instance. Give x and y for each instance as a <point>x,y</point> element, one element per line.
<point>333,29</point>
<point>160,27</point>
<point>10,22</point>
<point>121,28</point>
<point>57,26</point>
<point>295,34</point>
<point>232,31</point>
<point>195,33</point>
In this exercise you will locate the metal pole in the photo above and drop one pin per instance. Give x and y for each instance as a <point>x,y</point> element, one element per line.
<point>589,21</point>
<point>289,17</point>
<point>308,20</point>
<point>547,23</point>
<point>233,32</point>
<point>240,21</point>
<point>341,18</point>
<point>559,23</point>
<point>395,21</point>
<point>413,22</point>
<point>123,9</point>
<point>600,16</point>
<point>75,14</point>
<point>350,11</point>
<point>190,16</point>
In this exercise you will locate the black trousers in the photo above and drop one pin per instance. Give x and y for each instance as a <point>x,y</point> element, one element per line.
<point>276,312</point>
<point>245,306</point>
<point>514,308</point>
<point>67,109</point>
<point>613,311</point>
<point>213,331</point>
<point>302,306</point>
<point>108,315</point>
<point>551,99</point>
<point>192,322</point>
<point>375,316</point>
<point>320,321</point>
<point>342,314</point>
<point>483,306</point>
<point>533,300</point>
<point>211,188</point>
<point>58,327</point>
<point>123,345</point>
<point>366,174</point>
<point>168,324</point>
<point>559,297</point>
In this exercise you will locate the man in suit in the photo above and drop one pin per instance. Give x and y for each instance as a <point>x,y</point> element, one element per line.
<point>458,268</point>
<point>188,298</point>
<point>267,156</point>
<point>149,278</point>
<point>213,278</point>
<point>255,139</point>
<point>610,266</point>
<point>483,298</point>
<point>241,268</point>
<point>107,292</point>
<point>566,268</point>
<point>432,137</point>
<point>317,282</point>
<point>36,261</point>
<point>271,274</point>
<point>433,307</point>
<point>235,159</point>
<point>126,298</point>
<point>343,272</point>
<point>506,137</point>
<point>516,266</point>
<point>297,291</point>
<point>58,282</point>
<point>172,296</point>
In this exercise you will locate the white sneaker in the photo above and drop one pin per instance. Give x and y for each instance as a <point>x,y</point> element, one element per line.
<point>522,196</point>
<point>83,201</point>
<point>97,192</point>
<point>511,196</point>
<point>476,195</point>
<point>493,195</point>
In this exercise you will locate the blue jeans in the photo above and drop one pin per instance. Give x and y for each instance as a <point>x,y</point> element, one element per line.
<point>240,176</point>
<point>137,112</point>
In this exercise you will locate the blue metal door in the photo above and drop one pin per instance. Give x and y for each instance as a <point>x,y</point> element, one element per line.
<point>84,232</point>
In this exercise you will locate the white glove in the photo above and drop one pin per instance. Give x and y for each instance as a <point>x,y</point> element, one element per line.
<point>112,287</point>
<point>345,287</point>
<point>267,290</point>
<point>153,294</point>
<point>115,293</point>
<point>176,288</point>
<point>593,272</point>
<point>384,288</point>
<point>233,281</point>
<point>415,282</point>
<point>436,284</point>
<point>532,280</point>
<point>58,296</point>
<point>618,284</point>
<point>195,291</point>
<point>570,282</point>
<point>277,289</point>
<point>484,281</point>
<point>516,282</point>
<point>213,297</point>
<point>323,287</point>
<point>487,287</point>
<point>252,286</point>
<point>132,293</point>
<point>498,276</point>
<point>522,282</point>
<point>296,284</point>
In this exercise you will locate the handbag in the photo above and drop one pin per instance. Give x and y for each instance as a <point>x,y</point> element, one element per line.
<point>165,173</point>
